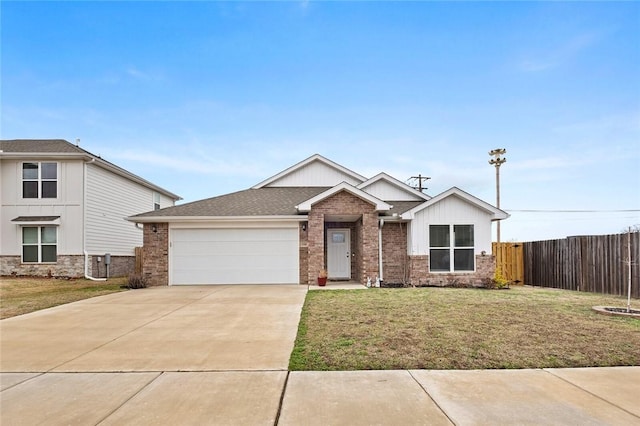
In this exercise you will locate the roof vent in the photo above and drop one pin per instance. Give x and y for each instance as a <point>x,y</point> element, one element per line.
<point>77,141</point>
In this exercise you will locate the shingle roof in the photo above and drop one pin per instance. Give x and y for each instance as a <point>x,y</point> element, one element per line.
<point>39,145</point>
<point>276,201</point>
<point>400,207</point>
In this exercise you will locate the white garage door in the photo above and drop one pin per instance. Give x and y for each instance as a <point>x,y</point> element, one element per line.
<point>234,256</point>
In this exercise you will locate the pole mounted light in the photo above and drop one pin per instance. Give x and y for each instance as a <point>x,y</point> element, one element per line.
<point>497,160</point>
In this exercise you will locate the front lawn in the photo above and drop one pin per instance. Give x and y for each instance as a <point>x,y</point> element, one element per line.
<point>447,328</point>
<point>23,295</point>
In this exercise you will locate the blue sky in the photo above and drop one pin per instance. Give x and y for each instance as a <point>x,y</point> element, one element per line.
<point>206,98</point>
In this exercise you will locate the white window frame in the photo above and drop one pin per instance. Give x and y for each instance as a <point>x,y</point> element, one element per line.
<point>156,201</point>
<point>40,180</point>
<point>452,248</point>
<point>38,244</point>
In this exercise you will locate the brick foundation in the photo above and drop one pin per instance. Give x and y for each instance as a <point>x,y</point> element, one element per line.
<point>121,266</point>
<point>66,266</point>
<point>419,274</point>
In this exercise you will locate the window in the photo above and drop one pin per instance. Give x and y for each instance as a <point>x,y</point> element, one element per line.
<point>39,244</point>
<point>448,242</point>
<point>156,201</point>
<point>39,180</point>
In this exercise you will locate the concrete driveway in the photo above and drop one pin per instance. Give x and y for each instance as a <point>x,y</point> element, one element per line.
<point>219,355</point>
<point>203,328</point>
<point>169,355</point>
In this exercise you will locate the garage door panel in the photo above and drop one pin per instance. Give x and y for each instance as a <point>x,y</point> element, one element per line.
<point>234,256</point>
<point>217,249</point>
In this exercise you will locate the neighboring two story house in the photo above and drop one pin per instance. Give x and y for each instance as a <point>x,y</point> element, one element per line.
<point>63,209</point>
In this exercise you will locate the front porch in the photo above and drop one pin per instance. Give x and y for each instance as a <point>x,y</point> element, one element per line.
<point>342,238</point>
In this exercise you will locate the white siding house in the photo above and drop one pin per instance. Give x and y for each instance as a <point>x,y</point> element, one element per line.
<point>63,207</point>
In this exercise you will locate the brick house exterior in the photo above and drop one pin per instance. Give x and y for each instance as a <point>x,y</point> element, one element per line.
<point>279,232</point>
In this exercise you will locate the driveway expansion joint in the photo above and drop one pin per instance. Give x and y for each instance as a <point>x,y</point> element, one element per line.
<point>550,371</point>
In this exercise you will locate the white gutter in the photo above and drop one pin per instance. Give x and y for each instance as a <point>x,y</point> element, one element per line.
<point>84,223</point>
<point>195,219</point>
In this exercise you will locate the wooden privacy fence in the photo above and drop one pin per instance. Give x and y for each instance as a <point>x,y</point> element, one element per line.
<point>139,260</point>
<point>510,261</point>
<point>587,263</point>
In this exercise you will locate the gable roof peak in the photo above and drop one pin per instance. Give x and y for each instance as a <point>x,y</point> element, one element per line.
<point>345,173</point>
<point>410,191</point>
<point>463,195</point>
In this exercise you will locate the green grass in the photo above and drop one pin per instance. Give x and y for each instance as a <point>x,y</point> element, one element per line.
<point>446,328</point>
<point>23,295</point>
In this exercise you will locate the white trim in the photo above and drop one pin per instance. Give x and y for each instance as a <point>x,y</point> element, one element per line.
<point>395,182</point>
<point>55,222</point>
<point>330,244</point>
<point>303,163</point>
<point>305,206</point>
<point>204,219</point>
<point>39,244</point>
<point>452,248</point>
<point>457,192</point>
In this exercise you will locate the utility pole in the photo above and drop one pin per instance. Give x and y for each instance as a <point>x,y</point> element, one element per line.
<point>420,178</point>
<point>497,161</point>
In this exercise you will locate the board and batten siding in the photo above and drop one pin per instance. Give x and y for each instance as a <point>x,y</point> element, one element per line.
<point>67,205</point>
<point>110,199</point>
<point>385,191</point>
<point>315,174</point>
<point>450,211</point>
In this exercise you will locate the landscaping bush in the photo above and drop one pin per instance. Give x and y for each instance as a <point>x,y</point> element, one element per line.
<point>136,281</point>
<point>498,281</point>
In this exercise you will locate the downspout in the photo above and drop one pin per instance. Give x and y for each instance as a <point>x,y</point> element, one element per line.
<point>84,223</point>
<point>380,248</point>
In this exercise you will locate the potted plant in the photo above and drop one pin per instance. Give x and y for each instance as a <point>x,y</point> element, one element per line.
<point>322,277</point>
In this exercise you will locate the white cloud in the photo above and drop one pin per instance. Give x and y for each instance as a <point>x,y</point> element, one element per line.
<point>194,163</point>
<point>558,54</point>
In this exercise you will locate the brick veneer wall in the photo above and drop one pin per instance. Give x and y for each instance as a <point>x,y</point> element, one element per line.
<point>68,266</point>
<point>419,274</point>
<point>121,266</point>
<point>344,203</point>
<point>395,261</point>
<point>155,269</point>
<point>304,253</point>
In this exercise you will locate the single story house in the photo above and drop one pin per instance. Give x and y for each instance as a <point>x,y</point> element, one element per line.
<point>318,215</point>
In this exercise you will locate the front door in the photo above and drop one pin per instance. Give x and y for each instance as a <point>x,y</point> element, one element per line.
<point>339,253</point>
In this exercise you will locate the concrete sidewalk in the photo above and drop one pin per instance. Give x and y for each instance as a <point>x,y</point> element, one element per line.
<point>219,355</point>
<point>585,396</point>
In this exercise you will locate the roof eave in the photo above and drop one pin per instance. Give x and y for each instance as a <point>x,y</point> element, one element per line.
<point>200,219</point>
<point>135,178</point>
<point>306,206</point>
<point>87,157</point>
